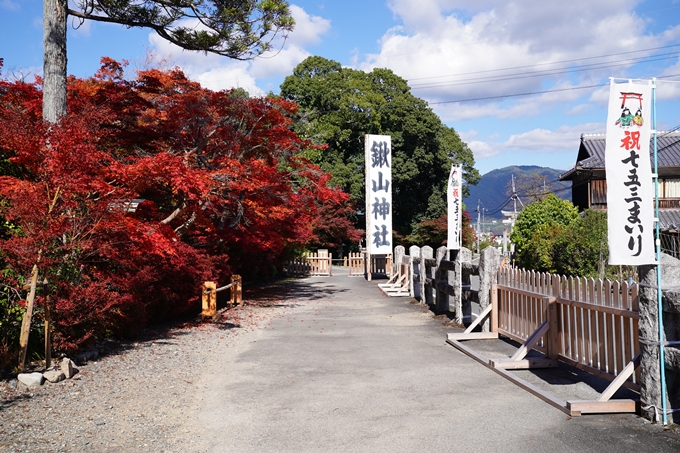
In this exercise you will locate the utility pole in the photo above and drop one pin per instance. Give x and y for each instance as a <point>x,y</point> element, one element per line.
<point>479,213</point>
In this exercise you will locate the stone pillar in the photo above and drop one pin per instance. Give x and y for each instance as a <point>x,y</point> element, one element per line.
<point>464,256</point>
<point>650,376</point>
<point>399,252</point>
<point>489,263</point>
<point>425,253</point>
<point>442,299</point>
<point>414,253</point>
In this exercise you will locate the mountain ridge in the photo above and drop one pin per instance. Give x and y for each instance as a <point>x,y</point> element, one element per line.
<point>493,190</point>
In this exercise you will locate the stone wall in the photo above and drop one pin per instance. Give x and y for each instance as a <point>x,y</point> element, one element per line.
<point>650,394</point>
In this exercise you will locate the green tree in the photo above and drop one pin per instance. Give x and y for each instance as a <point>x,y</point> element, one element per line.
<point>339,106</point>
<point>239,29</point>
<point>582,249</point>
<point>537,228</point>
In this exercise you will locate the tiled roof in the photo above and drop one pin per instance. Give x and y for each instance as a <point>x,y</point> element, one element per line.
<point>591,152</point>
<point>669,219</point>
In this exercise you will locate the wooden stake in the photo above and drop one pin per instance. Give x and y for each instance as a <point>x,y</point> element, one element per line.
<point>209,299</point>
<point>26,324</point>
<point>48,334</point>
<point>236,290</point>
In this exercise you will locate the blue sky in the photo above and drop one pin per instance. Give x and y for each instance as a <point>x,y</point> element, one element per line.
<point>449,51</point>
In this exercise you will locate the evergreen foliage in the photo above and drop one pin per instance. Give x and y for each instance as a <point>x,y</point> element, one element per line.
<point>339,106</point>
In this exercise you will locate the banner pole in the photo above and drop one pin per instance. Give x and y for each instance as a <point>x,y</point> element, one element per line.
<point>662,358</point>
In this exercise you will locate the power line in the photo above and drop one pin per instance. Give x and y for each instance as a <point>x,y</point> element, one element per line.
<point>531,93</point>
<point>545,64</point>
<point>557,71</point>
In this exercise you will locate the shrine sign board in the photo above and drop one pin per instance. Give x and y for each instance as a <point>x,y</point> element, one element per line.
<point>378,150</point>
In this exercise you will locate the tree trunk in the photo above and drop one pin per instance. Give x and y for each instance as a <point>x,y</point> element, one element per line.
<point>54,61</point>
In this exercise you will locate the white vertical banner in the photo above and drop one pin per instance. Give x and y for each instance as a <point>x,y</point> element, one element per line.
<point>378,150</point>
<point>630,195</point>
<point>454,200</point>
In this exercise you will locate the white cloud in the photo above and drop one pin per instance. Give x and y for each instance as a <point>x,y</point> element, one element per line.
<point>454,49</point>
<point>480,149</point>
<point>228,76</point>
<point>308,29</point>
<point>217,72</point>
<point>565,138</point>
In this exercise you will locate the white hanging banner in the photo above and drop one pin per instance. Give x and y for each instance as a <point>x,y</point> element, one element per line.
<point>453,196</point>
<point>378,150</point>
<point>630,194</point>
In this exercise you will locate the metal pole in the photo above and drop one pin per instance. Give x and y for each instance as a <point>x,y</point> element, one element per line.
<point>662,357</point>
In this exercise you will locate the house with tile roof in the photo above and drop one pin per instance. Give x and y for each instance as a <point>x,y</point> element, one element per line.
<point>589,185</point>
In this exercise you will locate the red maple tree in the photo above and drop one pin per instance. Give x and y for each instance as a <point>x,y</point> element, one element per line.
<point>147,188</point>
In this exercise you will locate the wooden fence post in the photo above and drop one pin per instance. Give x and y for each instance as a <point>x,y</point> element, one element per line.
<point>209,299</point>
<point>494,308</point>
<point>26,323</point>
<point>48,333</point>
<point>236,290</point>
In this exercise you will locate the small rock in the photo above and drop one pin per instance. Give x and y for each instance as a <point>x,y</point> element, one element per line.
<point>13,383</point>
<point>54,375</point>
<point>68,368</point>
<point>31,379</point>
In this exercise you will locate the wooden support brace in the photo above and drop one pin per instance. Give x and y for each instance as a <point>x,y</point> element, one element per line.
<point>479,319</point>
<point>533,339</point>
<point>545,396</point>
<point>458,336</point>
<point>620,379</point>
<point>602,407</point>
<point>523,364</point>
<point>26,323</point>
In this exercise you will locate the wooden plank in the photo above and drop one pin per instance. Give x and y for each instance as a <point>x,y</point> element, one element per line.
<point>600,308</point>
<point>545,396</point>
<point>603,407</point>
<point>524,364</point>
<point>518,290</point>
<point>494,308</point>
<point>553,343</point>
<point>541,394</point>
<point>599,373</point>
<point>482,316</point>
<point>531,342</point>
<point>620,379</point>
<point>458,336</point>
<point>468,351</point>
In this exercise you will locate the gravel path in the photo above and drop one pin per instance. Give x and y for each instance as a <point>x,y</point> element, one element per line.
<point>138,396</point>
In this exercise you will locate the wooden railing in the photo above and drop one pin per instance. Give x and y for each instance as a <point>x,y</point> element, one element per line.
<point>593,323</point>
<point>589,324</point>
<point>356,265</point>
<point>209,292</point>
<point>319,264</point>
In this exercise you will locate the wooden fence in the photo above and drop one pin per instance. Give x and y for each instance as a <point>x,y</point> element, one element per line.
<point>319,264</point>
<point>593,323</point>
<point>355,262</point>
<point>589,324</point>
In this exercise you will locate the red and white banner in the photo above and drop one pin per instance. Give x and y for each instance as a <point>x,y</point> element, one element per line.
<point>454,199</point>
<point>630,194</point>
